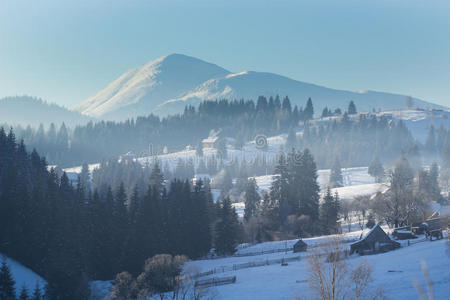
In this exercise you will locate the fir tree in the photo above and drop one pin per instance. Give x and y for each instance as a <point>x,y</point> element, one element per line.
<point>308,112</point>
<point>291,140</point>
<point>7,289</point>
<point>430,144</point>
<point>336,179</point>
<point>227,229</point>
<point>376,169</point>
<point>252,199</point>
<point>329,212</point>
<point>23,293</point>
<point>352,108</point>
<point>37,293</point>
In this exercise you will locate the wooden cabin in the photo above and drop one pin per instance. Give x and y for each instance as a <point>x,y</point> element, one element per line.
<point>375,241</point>
<point>300,246</point>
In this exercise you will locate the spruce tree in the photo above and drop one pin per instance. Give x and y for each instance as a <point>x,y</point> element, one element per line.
<point>336,179</point>
<point>37,293</point>
<point>430,144</point>
<point>24,293</point>
<point>7,289</point>
<point>252,199</point>
<point>308,113</point>
<point>376,170</point>
<point>291,140</point>
<point>434,189</point>
<point>329,213</point>
<point>352,108</point>
<point>227,229</point>
<point>279,192</point>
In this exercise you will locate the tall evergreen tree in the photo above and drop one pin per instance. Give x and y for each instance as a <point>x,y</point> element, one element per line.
<point>24,293</point>
<point>308,112</point>
<point>352,108</point>
<point>37,293</point>
<point>7,289</point>
<point>336,179</point>
<point>430,144</point>
<point>329,212</point>
<point>376,169</point>
<point>252,199</point>
<point>227,229</point>
<point>291,140</point>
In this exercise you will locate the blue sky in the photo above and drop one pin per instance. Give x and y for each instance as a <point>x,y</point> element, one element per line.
<point>65,51</point>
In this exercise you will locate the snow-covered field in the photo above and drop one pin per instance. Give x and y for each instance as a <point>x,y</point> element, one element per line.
<point>23,276</point>
<point>289,282</point>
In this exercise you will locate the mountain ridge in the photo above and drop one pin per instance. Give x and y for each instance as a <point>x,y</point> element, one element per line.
<point>167,84</point>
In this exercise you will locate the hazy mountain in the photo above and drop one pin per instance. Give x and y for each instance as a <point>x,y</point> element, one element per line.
<point>167,84</point>
<point>26,110</point>
<point>140,90</point>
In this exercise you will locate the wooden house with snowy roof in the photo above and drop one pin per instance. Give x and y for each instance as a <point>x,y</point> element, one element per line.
<point>375,241</point>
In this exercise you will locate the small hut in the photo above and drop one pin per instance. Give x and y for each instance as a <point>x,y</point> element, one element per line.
<point>300,246</point>
<point>375,241</point>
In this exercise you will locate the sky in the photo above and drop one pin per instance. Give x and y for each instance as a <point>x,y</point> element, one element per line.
<point>66,51</point>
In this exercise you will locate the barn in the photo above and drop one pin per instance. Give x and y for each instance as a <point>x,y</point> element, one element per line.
<point>375,241</point>
<point>300,246</point>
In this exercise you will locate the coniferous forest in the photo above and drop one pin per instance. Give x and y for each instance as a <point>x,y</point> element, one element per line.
<point>70,235</point>
<point>354,141</point>
<point>74,234</point>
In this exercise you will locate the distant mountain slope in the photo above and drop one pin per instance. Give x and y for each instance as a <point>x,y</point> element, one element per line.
<point>26,110</point>
<point>140,90</point>
<point>249,85</point>
<point>165,85</point>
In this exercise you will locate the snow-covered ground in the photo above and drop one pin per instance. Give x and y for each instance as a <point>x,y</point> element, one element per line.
<point>23,276</point>
<point>351,176</point>
<point>288,282</point>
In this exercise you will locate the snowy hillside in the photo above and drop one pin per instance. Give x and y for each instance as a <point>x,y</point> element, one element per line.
<point>165,85</point>
<point>24,276</point>
<point>139,90</point>
<point>393,271</point>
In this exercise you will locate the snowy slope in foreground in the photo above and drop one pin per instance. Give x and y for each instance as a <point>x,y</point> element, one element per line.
<point>23,276</point>
<point>289,282</point>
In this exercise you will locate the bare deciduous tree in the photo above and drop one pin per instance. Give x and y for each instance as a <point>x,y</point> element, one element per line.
<point>331,278</point>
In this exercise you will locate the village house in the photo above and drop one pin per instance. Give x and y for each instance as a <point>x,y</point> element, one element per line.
<point>300,246</point>
<point>375,241</point>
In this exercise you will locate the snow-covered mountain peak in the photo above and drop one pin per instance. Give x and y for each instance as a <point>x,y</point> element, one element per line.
<point>169,83</point>
<point>143,88</point>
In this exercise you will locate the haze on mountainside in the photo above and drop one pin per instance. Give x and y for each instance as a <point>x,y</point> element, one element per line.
<point>166,85</point>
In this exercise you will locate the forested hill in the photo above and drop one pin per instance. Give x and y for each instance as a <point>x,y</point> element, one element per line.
<point>26,110</point>
<point>241,120</point>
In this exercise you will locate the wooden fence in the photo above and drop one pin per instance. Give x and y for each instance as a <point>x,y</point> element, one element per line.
<point>215,281</point>
<point>253,264</point>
